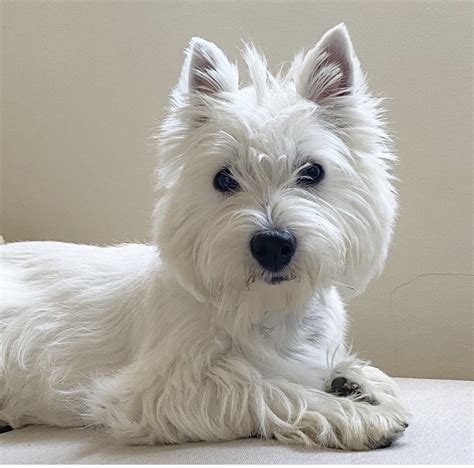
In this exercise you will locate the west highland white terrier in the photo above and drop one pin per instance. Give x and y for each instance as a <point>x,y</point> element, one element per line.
<point>230,324</point>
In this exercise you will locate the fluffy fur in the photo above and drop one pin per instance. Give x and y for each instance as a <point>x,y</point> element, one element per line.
<point>187,339</point>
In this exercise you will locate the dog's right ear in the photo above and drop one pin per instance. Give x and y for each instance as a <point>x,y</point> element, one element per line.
<point>207,71</point>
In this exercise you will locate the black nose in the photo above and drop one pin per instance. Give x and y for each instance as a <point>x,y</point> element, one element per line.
<point>273,249</point>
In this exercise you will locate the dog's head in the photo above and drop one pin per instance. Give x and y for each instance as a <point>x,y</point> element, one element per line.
<point>276,189</point>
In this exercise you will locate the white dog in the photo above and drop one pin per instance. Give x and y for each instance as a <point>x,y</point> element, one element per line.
<point>230,325</point>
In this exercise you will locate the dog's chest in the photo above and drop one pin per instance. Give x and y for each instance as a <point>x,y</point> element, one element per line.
<point>294,348</point>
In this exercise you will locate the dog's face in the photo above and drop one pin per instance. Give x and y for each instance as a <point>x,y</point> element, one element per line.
<point>276,189</point>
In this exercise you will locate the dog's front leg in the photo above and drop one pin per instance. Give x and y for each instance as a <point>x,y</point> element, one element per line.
<point>229,399</point>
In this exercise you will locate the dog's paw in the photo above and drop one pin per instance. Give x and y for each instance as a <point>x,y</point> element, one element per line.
<point>345,387</point>
<point>369,427</point>
<point>342,387</point>
<point>386,442</point>
<point>358,380</point>
<point>349,426</point>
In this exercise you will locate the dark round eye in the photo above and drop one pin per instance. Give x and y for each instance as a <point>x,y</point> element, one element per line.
<point>311,175</point>
<point>224,182</point>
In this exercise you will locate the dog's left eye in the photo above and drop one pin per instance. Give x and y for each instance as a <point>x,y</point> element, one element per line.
<point>224,182</point>
<point>310,175</point>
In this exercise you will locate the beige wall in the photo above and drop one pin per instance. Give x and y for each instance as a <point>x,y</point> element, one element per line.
<point>83,83</point>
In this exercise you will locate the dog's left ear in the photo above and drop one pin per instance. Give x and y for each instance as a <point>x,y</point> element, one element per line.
<point>207,71</point>
<point>330,69</point>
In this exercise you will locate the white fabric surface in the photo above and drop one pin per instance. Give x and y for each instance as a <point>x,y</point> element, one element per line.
<point>441,432</point>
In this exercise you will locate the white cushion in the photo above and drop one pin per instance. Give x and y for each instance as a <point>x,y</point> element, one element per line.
<point>441,432</point>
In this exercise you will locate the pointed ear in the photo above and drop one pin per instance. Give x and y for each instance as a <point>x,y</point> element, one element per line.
<point>207,70</point>
<point>330,68</point>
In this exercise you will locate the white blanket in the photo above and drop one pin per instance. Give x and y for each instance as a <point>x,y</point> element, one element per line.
<point>442,432</point>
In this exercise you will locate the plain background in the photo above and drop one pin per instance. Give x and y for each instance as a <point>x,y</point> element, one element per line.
<point>85,82</point>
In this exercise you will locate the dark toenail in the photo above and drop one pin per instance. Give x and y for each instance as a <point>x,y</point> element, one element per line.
<point>5,429</point>
<point>406,425</point>
<point>386,444</point>
<point>338,382</point>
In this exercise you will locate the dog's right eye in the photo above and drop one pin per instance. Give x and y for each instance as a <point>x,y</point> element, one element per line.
<point>224,182</point>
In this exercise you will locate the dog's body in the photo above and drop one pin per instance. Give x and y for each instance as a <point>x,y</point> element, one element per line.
<point>230,325</point>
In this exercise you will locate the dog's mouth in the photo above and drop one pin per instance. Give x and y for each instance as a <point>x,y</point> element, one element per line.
<point>277,279</point>
<point>273,278</point>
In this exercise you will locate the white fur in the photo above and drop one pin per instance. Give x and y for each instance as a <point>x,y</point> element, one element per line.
<point>186,339</point>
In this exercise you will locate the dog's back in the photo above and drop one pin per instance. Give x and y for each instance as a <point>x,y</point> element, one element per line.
<point>54,297</point>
